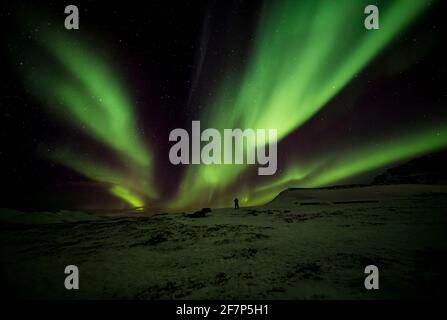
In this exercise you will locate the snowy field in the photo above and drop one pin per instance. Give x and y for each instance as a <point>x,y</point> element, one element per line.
<point>305,244</point>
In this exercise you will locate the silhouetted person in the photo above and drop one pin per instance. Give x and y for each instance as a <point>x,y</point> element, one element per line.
<point>236,203</point>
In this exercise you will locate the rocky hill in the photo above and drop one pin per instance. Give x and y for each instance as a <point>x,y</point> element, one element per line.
<point>429,169</point>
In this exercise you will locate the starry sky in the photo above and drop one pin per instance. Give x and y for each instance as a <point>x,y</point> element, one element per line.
<point>86,114</point>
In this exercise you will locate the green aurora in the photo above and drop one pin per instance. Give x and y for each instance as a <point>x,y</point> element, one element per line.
<point>348,163</point>
<point>304,53</point>
<point>83,90</point>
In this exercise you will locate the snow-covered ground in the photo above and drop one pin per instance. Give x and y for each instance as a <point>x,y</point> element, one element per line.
<point>305,244</point>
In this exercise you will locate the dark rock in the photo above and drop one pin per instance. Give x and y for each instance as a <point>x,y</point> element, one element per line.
<point>199,214</point>
<point>428,169</point>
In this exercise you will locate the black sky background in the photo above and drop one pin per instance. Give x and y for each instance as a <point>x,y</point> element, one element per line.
<point>157,45</point>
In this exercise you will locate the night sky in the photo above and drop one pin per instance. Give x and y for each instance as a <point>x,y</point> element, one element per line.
<point>86,114</point>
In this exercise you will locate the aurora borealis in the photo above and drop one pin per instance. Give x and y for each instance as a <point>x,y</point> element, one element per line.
<point>306,68</point>
<point>287,82</point>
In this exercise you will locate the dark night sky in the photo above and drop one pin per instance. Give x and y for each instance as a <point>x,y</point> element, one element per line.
<point>157,44</point>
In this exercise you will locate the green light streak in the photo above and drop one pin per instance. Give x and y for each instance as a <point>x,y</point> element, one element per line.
<point>127,196</point>
<point>305,52</point>
<point>351,163</point>
<point>87,93</point>
<point>83,90</point>
<point>294,174</point>
<point>121,183</point>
